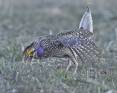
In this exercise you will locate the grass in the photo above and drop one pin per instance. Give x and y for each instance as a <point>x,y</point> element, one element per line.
<point>24,22</point>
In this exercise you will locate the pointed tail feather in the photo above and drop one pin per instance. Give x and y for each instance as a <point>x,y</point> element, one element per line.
<point>86,22</point>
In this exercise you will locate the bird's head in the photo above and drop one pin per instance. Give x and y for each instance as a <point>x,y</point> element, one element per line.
<point>34,50</point>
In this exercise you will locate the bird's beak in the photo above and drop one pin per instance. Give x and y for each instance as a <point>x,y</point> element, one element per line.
<point>28,54</point>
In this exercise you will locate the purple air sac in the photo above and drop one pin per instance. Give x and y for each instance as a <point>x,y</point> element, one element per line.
<point>40,52</point>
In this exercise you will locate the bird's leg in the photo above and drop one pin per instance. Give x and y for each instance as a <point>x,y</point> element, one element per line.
<point>75,71</point>
<point>76,65</point>
<point>69,65</point>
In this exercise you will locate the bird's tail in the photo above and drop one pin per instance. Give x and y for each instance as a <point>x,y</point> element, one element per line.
<point>86,22</point>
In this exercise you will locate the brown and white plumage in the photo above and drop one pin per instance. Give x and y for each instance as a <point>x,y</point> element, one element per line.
<point>75,45</point>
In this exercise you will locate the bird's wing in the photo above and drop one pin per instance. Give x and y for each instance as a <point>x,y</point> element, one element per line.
<point>87,51</point>
<point>84,47</point>
<point>72,38</point>
<point>79,33</point>
<point>79,42</point>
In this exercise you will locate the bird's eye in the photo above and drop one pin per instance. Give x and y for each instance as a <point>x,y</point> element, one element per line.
<point>40,51</point>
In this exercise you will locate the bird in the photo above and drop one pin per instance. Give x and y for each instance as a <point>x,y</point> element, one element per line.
<point>76,45</point>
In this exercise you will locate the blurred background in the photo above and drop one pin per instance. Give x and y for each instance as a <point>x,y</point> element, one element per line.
<point>22,21</point>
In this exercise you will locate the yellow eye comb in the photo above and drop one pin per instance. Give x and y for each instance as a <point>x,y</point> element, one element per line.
<point>28,52</point>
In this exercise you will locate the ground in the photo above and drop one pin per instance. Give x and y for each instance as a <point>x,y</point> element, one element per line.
<point>22,21</point>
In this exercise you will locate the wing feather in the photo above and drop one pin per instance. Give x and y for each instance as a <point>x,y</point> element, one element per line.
<point>80,56</point>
